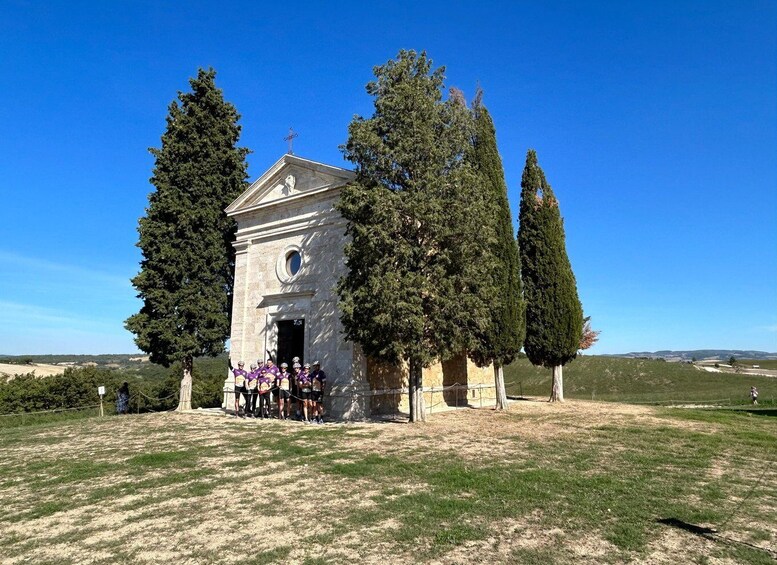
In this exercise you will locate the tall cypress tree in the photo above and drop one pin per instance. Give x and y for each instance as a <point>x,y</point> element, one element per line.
<point>503,338</point>
<point>415,289</point>
<point>186,275</point>
<point>554,315</point>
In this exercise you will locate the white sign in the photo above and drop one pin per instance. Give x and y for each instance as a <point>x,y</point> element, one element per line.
<point>101,390</point>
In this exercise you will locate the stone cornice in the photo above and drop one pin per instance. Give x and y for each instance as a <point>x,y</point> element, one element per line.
<point>308,194</point>
<point>263,233</point>
<point>261,184</point>
<point>268,299</point>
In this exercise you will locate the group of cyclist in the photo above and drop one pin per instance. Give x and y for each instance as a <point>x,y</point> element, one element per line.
<point>265,383</point>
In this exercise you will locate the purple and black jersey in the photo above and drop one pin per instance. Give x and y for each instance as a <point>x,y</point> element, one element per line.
<point>240,377</point>
<point>304,379</point>
<point>283,381</point>
<point>251,378</point>
<point>319,380</point>
<point>265,383</point>
<point>272,372</point>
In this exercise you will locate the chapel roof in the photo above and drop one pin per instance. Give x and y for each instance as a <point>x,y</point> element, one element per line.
<point>289,178</point>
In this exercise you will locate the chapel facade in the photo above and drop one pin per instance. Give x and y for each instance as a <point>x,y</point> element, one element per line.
<point>289,256</point>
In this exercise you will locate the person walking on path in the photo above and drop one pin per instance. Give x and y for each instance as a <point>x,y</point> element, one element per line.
<point>239,386</point>
<point>122,399</point>
<point>754,394</point>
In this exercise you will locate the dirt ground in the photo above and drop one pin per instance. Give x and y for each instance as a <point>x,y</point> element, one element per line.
<point>153,525</point>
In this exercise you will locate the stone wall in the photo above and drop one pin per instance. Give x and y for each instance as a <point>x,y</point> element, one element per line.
<point>457,382</point>
<point>265,292</point>
<point>292,208</point>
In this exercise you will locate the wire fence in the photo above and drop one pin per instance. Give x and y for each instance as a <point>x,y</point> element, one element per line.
<point>390,401</point>
<point>139,400</point>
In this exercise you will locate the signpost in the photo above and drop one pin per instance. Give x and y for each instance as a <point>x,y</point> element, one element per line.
<point>101,392</point>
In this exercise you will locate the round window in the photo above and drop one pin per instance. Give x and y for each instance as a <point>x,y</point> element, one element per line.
<point>293,263</point>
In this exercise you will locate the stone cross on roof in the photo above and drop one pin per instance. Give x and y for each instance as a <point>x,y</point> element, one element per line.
<point>290,139</point>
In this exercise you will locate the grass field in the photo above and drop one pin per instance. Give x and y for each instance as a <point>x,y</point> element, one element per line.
<point>640,381</point>
<point>582,482</point>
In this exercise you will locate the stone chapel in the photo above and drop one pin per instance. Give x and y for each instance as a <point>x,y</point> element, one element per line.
<point>289,257</point>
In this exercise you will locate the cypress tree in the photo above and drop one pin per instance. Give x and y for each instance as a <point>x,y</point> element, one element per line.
<point>186,275</point>
<point>415,289</point>
<point>554,315</point>
<point>503,338</point>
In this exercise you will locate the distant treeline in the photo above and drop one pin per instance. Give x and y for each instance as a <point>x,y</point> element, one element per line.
<point>122,359</point>
<point>152,387</point>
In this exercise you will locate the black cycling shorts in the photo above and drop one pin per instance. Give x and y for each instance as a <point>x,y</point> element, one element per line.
<point>284,394</point>
<point>317,396</point>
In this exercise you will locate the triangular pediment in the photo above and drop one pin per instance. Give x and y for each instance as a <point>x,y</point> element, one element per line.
<point>291,177</point>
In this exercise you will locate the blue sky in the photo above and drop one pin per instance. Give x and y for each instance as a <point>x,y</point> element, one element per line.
<point>655,123</point>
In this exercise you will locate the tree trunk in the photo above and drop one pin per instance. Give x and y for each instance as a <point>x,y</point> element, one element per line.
<point>417,408</point>
<point>557,394</point>
<point>185,397</point>
<point>501,393</point>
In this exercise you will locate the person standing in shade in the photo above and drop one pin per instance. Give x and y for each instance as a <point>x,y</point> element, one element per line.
<point>318,378</point>
<point>305,384</point>
<point>272,374</point>
<point>122,399</point>
<point>239,388</point>
<point>283,384</point>
<point>264,384</point>
<point>251,392</point>
<point>295,370</point>
<point>754,394</point>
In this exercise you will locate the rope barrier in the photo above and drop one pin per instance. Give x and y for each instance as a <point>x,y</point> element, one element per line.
<point>157,399</point>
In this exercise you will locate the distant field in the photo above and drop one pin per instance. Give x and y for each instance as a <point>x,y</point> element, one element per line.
<point>40,370</point>
<point>763,364</point>
<point>579,483</point>
<point>639,381</point>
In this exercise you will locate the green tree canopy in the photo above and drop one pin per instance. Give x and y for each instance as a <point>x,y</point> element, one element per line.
<point>416,288</point>
<point>504,336</point>
<point>554,315</point>
<point>186,275</point>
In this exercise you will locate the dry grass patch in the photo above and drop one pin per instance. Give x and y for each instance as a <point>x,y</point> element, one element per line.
<point>575,483</point>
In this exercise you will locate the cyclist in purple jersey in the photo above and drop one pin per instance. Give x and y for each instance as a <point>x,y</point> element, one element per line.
<point>317,397</point>
<point>283,384</point>
<point>296,368</point>
<point>239,384</point>
<point>251,379</point>
<point>272,373</point>
<point>271,368</point>
<point>264,384</point>
<point>305,386</point>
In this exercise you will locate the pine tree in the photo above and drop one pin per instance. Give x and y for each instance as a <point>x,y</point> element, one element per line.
<point>554,315</point>
<point>186,275</point>
<point>503,338</point>
<point>415,289</point>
